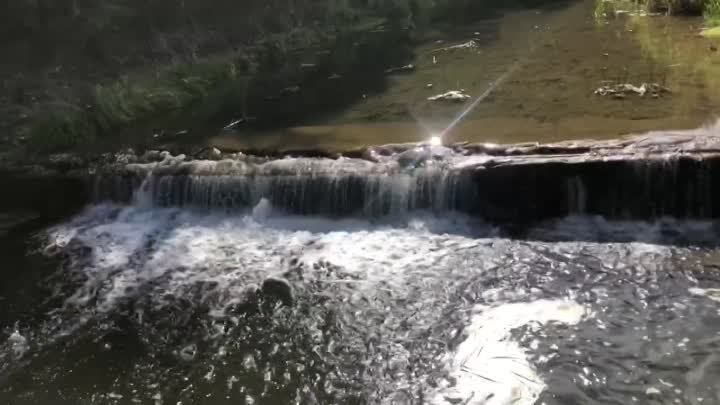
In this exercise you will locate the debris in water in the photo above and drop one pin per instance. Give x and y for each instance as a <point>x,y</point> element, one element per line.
<point>234,125</point>
<point>465,45</point>
<point>622,90</point>
<point>401,69</point>
<point>457,96</point>
<point>652,391</point>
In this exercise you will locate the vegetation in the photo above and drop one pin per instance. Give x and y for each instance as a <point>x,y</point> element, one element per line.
<point>709,8</point>
<point>79,68</point>
<point>712,13</point>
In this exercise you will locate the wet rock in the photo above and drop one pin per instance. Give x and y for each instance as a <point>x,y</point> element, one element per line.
<point>401,69</point>
<point>277,289</point>
<point>456,96</point>
<point>151,156</point>
<point>66,161</point>
<point>209,154</point>
<point>126,157</point>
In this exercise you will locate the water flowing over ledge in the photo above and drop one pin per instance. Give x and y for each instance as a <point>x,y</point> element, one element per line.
<point>643,177</point>
<point>656,175</point>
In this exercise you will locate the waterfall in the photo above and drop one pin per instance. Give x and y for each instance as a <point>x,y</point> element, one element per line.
<point>498,189</point>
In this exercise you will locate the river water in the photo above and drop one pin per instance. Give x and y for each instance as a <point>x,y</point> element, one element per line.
<point>151,303</point>
<point>140,304</point>
<point>542,68</point>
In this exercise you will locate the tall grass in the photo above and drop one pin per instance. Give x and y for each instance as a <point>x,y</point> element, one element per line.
<point>120,103</point>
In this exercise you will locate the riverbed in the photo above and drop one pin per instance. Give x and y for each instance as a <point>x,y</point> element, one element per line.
<point>535,73</point>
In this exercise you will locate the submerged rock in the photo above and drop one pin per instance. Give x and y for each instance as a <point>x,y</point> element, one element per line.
<point>277,289</point>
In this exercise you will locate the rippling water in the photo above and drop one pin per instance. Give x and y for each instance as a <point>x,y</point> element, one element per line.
<point>162,306</point>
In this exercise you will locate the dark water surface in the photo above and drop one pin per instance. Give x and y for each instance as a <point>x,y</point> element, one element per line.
<point>137,304</point>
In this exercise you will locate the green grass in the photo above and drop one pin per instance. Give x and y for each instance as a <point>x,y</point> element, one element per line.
<point>712,13</point>
<point>711,32</point>
<point>125,101</point>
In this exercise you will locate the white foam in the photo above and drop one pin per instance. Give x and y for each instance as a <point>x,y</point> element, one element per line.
<point>491,369</point>
<point>709,293</point>
<point>136,246</point>
<point>18,344</point>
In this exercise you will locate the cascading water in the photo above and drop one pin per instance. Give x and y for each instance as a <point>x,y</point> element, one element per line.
<point>344,281</point>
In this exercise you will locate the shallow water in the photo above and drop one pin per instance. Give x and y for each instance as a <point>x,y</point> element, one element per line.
<point>552,61</point>
<point>151,305</point>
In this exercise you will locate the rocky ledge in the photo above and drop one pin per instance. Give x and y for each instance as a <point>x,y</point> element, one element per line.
<point>637,177</point>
